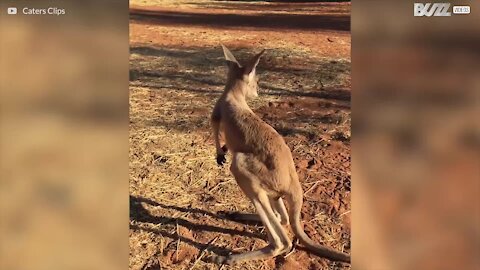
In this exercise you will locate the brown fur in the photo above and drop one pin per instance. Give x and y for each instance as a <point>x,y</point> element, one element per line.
<point>262,164</point>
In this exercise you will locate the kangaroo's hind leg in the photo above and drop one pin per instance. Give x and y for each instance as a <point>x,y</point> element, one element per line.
<point>279,207</point>
<point>250,185</point>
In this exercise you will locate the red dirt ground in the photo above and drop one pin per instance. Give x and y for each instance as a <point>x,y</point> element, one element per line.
<point>176,76</point>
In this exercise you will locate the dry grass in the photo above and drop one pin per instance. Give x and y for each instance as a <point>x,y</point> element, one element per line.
<point>177,190</point>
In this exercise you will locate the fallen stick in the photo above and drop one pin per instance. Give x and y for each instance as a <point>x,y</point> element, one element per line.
<point>203,252</point>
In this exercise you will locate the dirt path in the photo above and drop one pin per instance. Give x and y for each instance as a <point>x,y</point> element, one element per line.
<point>177,73</point>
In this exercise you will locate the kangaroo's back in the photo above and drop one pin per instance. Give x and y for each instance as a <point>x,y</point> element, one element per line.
<point>246,132</point>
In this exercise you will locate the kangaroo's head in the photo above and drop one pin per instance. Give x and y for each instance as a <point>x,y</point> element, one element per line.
<point>242,77</point>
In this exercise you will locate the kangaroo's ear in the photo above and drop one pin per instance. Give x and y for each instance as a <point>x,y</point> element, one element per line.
<point>231,61</point>
<point>252,64</point>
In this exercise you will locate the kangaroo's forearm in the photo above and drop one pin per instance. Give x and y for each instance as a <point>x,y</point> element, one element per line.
<point>219,149</point>
<point>217,136</point>
<point>216,119</point>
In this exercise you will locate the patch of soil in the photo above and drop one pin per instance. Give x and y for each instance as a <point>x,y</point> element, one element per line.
<point>177,74</point>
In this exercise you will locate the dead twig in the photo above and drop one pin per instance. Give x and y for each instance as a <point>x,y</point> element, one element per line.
<point>202,253</point>
<point>178,242</point>
<point>312,187</point>
<point>221,183</point>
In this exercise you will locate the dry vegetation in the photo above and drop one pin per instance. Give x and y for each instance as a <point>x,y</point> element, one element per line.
<point>178,192</point>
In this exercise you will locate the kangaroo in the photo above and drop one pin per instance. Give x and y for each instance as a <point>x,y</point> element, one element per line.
<point>262,165</point>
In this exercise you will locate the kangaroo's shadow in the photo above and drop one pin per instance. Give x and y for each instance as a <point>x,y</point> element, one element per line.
<point>142,216</point>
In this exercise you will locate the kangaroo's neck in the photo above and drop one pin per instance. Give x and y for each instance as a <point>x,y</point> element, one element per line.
<point>235,94</point>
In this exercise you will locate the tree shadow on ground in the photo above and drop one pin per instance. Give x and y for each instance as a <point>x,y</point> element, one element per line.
<point>278,5</point>
<point>332,94</point>
<point>334,22</point>
<point>201,64</point>
<point>201,71</point>
<point>143,217</point>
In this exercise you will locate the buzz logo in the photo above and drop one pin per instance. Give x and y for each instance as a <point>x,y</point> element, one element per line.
<point>429,9</point>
